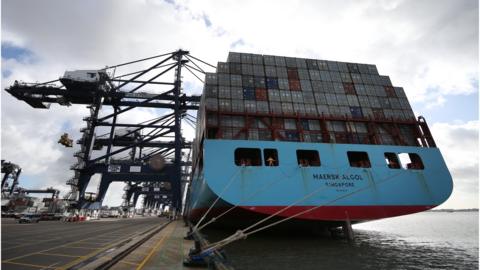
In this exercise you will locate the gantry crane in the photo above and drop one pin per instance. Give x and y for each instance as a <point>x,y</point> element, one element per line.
<point>145,142</point>
<point>11,171</point>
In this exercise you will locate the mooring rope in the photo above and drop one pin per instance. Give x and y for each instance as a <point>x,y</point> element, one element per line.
<point>242,234</point>
<point>230,182</point>
<point>213,219</point>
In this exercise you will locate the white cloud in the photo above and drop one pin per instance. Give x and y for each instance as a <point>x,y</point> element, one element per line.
<point>458,143</point>
<point>429,47</point>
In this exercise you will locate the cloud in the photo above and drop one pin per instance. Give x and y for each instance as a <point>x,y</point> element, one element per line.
<point>10,51</point>
<point>458,143</point>
<point>428,47</point>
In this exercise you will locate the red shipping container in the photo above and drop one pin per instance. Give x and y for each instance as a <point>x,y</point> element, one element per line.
<point>349,89</point>
<point>390,91</point>
<point>294,85</point>
<point>277,123</point>
<point>261,94</point>
<point>378,113</point>
<point>292,74</point>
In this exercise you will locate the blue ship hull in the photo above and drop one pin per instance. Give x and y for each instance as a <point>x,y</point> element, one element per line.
<point>332,192</point>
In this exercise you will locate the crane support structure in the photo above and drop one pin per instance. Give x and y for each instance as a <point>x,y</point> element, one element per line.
<point>143,154</point>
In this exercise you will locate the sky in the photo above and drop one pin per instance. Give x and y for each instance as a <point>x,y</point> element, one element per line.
<point>429,47</point>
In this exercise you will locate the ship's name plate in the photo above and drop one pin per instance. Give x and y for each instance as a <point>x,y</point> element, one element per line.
<point>332,176</point>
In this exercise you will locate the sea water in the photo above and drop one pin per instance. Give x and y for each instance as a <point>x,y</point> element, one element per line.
<point>428,240</point>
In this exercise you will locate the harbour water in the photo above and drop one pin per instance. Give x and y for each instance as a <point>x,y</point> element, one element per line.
<point>429,240</point>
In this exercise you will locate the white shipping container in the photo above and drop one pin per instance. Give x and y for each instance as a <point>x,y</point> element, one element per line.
<point>282,72</point>
<point>250,106</point>
<point>308,98</point>
<point>342,99</point>
<point>314,125</point>
<point>237,105</point>
<point>275,107</point>
<point>335,76</point>
<point>301,63</point>
<point>280,61</point>
<point>303,74</point>
<point>314,75</point>
<point>352,100</point>
<point>283,84</point>
<point>270,71</point>
<point>290,62</point>
<point>224,92</point>
<point>211,78</point>
<point>257,59</point>
<point>338,88</point>
<point>236,92</point>
<point>225,105</point>
<point>236,80</point>
<point>323,109</point>
<point>285,96</point>
<point>297,96</point>
<point>222,67</point>
<point>289,124</point>
<point>311,109</point>
<point>262,107</point>
<point>234,57</point>
<point>211,104</point>
<point>299,108</point>
<point>331,99</point>
<point>345,77</point>
<point>269,60</point>
<point>320,99</point>
<point>258,70</point>
<point>322,65</point>
<point>400,92</point>
<point>246,58</point>
<point>247,69</point>
<point>287,108</point>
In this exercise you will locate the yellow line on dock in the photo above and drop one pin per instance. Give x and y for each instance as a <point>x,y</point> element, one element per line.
<point>58,254</point>
<point>37,252</point>
<point>31,265</point>
<point>155,248</point>
<point>91,254</point>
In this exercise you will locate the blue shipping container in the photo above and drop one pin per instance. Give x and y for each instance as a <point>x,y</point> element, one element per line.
<point>249,93</point>
<point>272,83</point>
<point>356,112</point>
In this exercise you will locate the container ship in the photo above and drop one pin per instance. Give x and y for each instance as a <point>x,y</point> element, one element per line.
<point>320,142</point>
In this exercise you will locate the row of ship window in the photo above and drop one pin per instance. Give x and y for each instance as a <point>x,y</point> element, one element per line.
<point>311,158</point>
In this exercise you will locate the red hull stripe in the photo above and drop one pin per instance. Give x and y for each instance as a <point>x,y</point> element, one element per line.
<point>326,213</point>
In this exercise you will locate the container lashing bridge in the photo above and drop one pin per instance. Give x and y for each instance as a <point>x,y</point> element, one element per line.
<point>154,146</point>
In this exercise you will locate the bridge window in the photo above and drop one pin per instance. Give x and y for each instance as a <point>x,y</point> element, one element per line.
<point>392,161</point>
<point>271,157</point>
<point>359,159</point>
<point>248,157</point>
<point>411,161</point>
<point>306,158</point>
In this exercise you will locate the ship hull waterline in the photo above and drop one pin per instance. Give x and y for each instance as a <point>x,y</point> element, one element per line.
<point>326,195</point>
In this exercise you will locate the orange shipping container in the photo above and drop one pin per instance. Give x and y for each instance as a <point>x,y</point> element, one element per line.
<point>292,74</point>
<point>261,94</point>
<point>294,85</point>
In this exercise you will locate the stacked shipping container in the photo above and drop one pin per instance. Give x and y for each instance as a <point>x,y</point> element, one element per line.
<point>264,97</point>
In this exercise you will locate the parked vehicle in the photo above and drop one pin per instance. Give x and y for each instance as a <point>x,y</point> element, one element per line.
<point>29,218</point>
